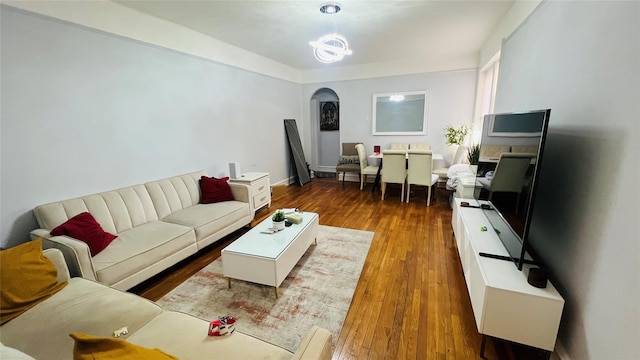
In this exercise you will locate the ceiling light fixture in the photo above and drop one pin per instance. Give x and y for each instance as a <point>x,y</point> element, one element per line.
<point>331,47</point>
<point>330,8</point>
<point>398,97</point>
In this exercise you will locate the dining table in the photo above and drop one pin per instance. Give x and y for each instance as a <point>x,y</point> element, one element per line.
<point>436,158</point>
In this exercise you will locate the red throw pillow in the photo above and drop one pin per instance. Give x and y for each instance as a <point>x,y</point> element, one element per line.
<point>214,190</point>
<point>84,227</point>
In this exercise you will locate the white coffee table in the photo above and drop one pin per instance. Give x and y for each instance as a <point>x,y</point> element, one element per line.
<point>268,258</point>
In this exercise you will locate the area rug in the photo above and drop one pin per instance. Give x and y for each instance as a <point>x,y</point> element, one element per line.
<point>318,291</point>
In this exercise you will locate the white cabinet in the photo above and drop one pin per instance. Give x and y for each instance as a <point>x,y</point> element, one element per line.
<point>504,305</point>
<point>259,189</point>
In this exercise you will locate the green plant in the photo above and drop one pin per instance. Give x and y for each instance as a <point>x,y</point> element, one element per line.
<point>456,136</point>
<point>278,216</point>
<point>473,154</point>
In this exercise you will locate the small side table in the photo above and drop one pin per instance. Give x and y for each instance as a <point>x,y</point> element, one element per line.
<point>259,189</point>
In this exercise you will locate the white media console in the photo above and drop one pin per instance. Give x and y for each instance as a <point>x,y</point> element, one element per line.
<point>504,305</point>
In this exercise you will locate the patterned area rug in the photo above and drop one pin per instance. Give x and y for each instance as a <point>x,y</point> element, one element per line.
<point>318,291</point>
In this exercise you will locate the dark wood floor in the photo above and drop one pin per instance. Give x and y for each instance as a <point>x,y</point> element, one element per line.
<point>411,301</point>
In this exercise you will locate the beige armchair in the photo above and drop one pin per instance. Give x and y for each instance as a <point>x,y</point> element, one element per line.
<point>349,161</point>
<point>458,158</point>
<point>509,175</point>
<point>394,169</point>
<point>419,172</point>
<point>365,168</point>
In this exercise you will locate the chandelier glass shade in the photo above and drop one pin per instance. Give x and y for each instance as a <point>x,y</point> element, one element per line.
<point>330,48</point>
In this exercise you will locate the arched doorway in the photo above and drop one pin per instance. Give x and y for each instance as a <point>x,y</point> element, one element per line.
<point>325,131</point>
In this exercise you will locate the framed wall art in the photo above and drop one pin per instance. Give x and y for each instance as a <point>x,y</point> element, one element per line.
<point>329,115</point>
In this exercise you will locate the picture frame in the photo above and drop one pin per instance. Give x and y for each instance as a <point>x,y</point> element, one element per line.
<point>329,115</point>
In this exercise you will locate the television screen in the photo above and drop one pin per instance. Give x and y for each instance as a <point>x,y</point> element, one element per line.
<point>511,151</point>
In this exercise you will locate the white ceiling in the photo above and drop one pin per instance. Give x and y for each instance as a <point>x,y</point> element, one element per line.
<point>377,31</point>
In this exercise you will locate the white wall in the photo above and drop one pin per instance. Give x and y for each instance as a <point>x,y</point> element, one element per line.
<point>451,97</point>
<point>85,111</point>
<point>582,60</point>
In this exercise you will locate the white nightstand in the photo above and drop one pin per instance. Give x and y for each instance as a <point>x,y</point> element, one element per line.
<point>259,188</point>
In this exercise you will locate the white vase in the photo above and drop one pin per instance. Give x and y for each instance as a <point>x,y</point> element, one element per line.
<point>474,169</point>
<point>277,225</point>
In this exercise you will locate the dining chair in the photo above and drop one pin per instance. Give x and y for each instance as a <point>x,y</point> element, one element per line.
<point>531,149</point>
<point>493,151</point>
<point>509,175</point>
<point>394,169</point>
<point>419,171</point>
<point>420,146</point>
<point>365,168</point>
<point>349,161</point>
<point>399,146</point>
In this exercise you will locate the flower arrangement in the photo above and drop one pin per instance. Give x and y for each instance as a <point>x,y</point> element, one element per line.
<point>455,136</point>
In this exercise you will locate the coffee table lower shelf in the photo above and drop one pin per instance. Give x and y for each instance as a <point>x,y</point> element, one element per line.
<point>267,259</point>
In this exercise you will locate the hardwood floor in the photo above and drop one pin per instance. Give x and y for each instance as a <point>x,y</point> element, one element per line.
<point>411,301</point>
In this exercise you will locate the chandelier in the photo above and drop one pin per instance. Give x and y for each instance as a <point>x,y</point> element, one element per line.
<point>331,47</point>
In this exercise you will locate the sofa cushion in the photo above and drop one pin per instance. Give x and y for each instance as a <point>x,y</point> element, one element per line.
<point>186,337</point>
<point>27,278</point>
<point>214,190</point>
<point>82,306</point>
<point>84,227</point>
<point>140,247</point>
<point>89,347</point>
<point>207,219</point>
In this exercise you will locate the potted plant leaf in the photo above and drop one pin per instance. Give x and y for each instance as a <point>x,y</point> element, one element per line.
<point>455,136</point>
<point>473,155</point>
<point>278,220</point>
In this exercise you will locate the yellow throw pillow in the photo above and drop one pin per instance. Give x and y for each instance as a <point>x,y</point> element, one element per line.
<point>27,278</point>
<point>89,347</point>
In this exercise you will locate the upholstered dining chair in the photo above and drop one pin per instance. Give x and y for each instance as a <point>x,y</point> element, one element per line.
<point>458,158</point>
<point>419,171</point>
<point>399,146</point>
<point>349,161</point>
<point>509,175</point>
<point>365,168</point>
<point>394,169</point>
<point>493,151</point>
<point>420,146</point>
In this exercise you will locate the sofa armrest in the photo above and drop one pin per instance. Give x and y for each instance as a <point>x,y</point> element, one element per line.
<point>76,253</point>
<point>56,257</point>
<point>316,345</point>
<point>240,192</point>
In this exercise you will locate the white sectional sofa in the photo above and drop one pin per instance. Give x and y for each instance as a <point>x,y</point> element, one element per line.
<point>42,332</point>
<point>157,224</point>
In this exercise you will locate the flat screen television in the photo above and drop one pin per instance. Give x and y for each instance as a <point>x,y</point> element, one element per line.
<point>511,150</point>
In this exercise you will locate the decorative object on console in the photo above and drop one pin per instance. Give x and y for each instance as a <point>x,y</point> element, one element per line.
<point>85,227</point>
<point>473,155</point>
<point>278,220</point>
<point>234,170</point>
<point>537,277</point>
<point>214,190</point>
